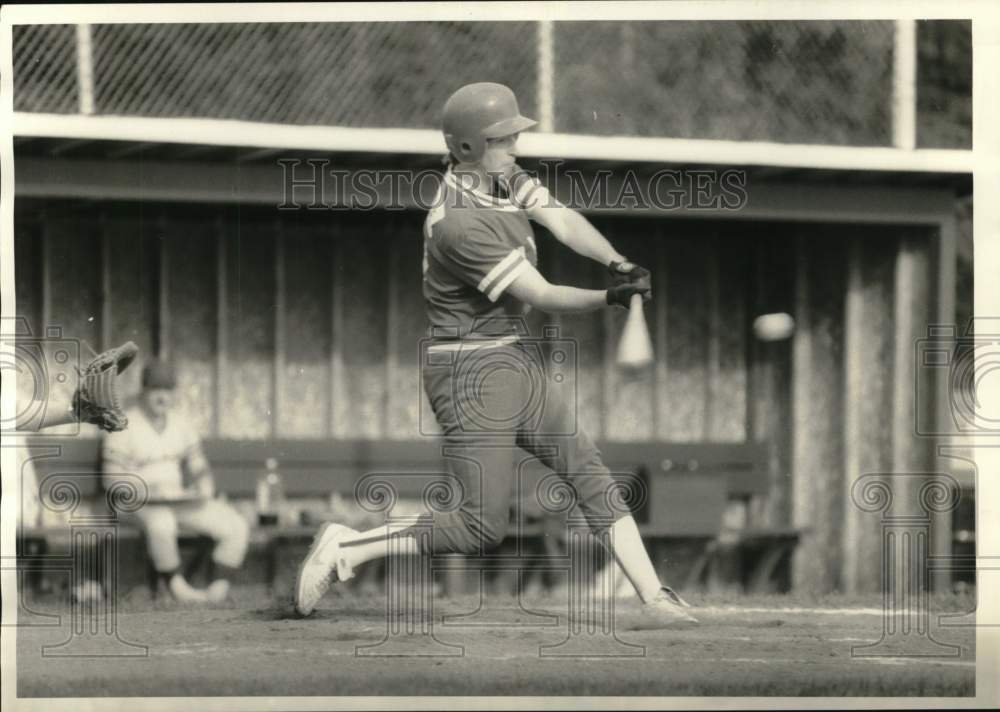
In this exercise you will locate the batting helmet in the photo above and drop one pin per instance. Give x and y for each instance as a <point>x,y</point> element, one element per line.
<point>477,112</point>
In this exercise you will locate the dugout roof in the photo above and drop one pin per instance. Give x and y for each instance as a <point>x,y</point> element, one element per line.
<point>36,152</point>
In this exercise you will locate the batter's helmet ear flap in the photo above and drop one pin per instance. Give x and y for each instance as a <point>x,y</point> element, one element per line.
<point>477,112</point>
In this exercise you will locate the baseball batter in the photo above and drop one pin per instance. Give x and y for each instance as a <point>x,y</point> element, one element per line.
<point>480,277</point>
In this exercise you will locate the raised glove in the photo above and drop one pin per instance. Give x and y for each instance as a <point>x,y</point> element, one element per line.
<point>628,272</point>
<point>96,399</point>
<point>621,294</point>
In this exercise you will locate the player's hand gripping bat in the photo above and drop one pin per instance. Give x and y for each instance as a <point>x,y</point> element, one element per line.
<point>632,287</point>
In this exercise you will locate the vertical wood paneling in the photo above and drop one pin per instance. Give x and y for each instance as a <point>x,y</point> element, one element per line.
<point>818,410</point>
<point>628,403</point>
<point>28,272</point>
<point>391,325</point>
<point>945,259</point>
<point>729,391</point>
<point>28,293</point>
<point>910,453</point>
<point>46,274</point>
<point>805,572</point>
<point>713,388</point>
<point>868,346</point>
<point>163,344</point>
<point>219,233</point>
<point>687,324</point>
<point>339,405</point>
<point>774,280</point>
<point>74,284</point>
<point>660,335</point>
<point>409,327</point>
<point>246,410</point>
<point>189,271</point>
<point>365,293</point>
<point>74,254</point>
<point>106,301</point>
<point>278,366</point>
<point>304,396</point>
<point>131,280</point>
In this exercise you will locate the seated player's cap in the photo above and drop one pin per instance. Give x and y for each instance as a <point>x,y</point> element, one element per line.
<point>159,374</point>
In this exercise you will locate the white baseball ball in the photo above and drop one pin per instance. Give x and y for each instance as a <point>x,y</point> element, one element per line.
<point>773,327</point>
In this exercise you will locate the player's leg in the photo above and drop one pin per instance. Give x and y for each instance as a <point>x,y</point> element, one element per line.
<point>576,458</point>
<point>221,522</point>
<point>476,525</point>
<point>478,455</point>
<point>159,524</point>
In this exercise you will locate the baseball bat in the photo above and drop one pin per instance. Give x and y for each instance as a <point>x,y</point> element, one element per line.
<point>635,349</point>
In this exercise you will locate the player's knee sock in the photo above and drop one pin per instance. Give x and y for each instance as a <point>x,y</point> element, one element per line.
<point>374,544</point>
<point>630,553</point>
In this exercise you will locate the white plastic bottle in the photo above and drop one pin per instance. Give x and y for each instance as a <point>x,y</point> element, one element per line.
<point>270,493</point>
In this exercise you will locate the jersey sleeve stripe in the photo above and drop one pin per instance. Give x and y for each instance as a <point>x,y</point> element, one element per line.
<point>523,191</point>
<point>505,281</point>
<point>512,257</point>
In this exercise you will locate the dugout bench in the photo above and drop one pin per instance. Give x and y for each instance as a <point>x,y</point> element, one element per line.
<point>688,486</point>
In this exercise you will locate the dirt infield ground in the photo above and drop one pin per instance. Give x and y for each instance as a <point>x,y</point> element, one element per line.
<point>255,646</point>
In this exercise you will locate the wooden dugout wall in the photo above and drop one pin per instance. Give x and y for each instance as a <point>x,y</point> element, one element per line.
<point>307,325</point>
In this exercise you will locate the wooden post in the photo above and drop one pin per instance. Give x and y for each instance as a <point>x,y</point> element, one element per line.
<point>904,85</point>
<point>46,254</point>
<point>391,334</point>
<point>941,523</point>
<point>162,295</point>
<point>660,336</point>
<point>867,403</point>
<point>106,315</point>
<point>713,366</point>
<point>221,324</point>
<point>910,452</point>
<point>546,81</point>
<point>337,334</point>
<point>84,69</point>
<point>817,452</point>
<point>278,372</point>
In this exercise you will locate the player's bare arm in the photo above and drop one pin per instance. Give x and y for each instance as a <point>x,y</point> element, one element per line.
<point>57,410</point>
<point>569,226</point>
<point>573,230</point>
<point>532,288</point>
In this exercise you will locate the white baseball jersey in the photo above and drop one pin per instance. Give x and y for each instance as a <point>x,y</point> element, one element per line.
<point>156,457</point>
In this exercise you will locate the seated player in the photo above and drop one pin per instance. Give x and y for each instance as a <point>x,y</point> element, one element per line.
<point>480,275</point>
<point>160,446</point>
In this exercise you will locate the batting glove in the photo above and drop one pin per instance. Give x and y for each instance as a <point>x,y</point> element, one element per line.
<point>621,294</point>
<point>628,273</point>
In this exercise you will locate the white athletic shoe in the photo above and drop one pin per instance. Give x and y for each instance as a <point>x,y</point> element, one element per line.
<point>323,565</point>
<point>666,609</point>
<point>184,592</point>
<point>217,591</point>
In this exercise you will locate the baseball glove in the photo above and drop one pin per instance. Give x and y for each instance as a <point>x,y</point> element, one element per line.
<point>96,399</point>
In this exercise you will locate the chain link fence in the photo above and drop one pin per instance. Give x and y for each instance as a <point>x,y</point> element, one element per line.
<point>801,82</point>
<point>792,81</point>
<point>45,77</point>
